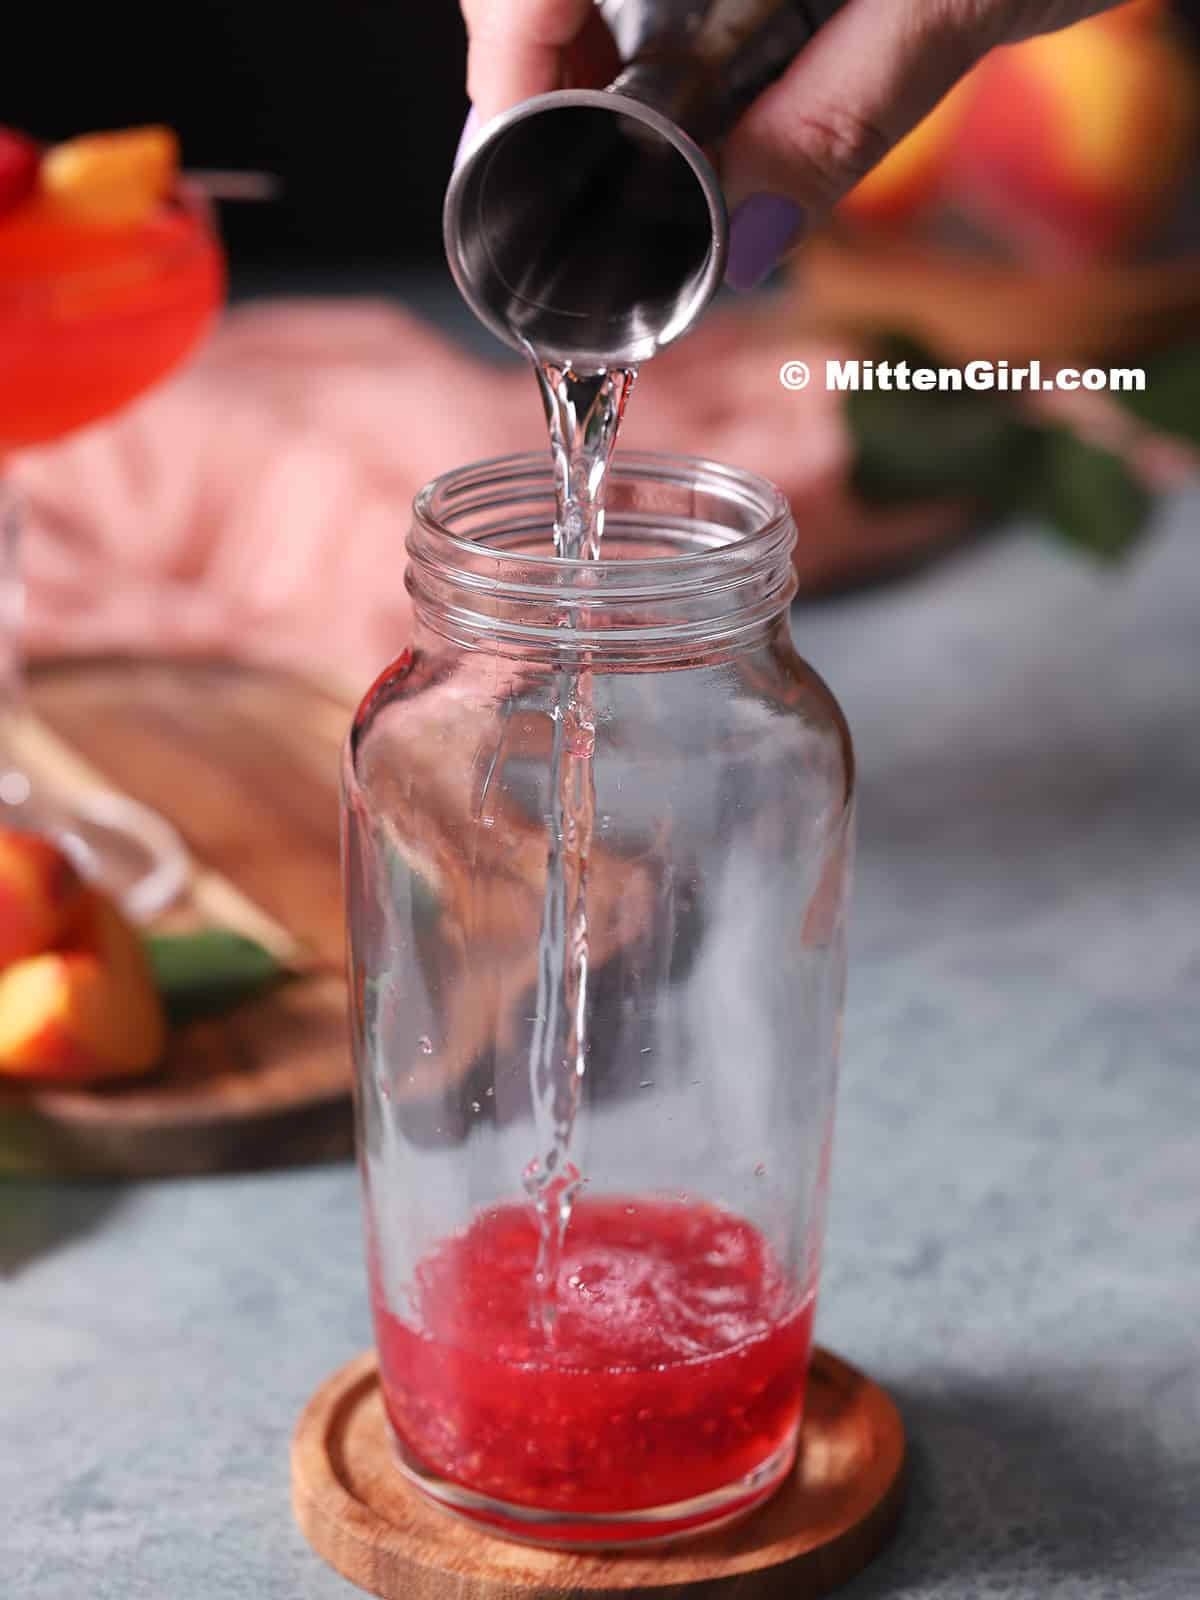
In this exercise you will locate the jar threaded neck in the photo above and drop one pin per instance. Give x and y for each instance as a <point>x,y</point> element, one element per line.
<point>696,556</point>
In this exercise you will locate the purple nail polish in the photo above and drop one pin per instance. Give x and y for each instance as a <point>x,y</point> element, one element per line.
<point>761,230</point>
<point>470,129</point>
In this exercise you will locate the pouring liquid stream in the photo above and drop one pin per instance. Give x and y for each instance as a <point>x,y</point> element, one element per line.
<point>583,414</point>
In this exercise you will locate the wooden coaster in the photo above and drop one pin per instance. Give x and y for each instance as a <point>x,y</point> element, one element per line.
<point>244,762</point>
<point>830,1518</point>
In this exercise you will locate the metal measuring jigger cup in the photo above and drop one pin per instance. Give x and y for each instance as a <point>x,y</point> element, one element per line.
<point>589,224</point>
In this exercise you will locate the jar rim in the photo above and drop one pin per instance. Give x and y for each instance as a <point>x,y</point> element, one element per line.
<point>750,489</point>
<point>475,579</point>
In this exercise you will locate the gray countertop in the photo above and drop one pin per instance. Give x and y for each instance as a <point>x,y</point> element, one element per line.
<point>1015,1234</point>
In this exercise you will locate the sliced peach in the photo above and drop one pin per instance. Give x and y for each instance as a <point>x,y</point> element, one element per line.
<point>113,179</point>
<point>39,895</point>
<point>86,1012</point>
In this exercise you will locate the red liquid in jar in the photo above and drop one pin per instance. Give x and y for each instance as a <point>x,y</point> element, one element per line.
<point>677,1365</point>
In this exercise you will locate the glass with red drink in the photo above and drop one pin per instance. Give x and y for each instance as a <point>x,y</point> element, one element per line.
<point>594,1270</point>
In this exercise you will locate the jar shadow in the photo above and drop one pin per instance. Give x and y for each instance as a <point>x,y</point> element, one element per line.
<point>1018,1484</point>
<point>40,1217</point>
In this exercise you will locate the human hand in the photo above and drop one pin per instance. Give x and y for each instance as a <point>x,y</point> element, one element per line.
<point>867,78</point>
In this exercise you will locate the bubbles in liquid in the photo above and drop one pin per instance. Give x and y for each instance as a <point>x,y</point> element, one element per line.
<point>425,1045</point>
<point>760,1170</point>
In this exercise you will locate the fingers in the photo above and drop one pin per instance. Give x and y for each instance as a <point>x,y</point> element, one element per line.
<point>516,48</point>
<point>868,77</point>
<point>1024,18</point>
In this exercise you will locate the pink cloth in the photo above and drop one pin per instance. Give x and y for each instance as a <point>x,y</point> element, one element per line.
<point>257,504</point>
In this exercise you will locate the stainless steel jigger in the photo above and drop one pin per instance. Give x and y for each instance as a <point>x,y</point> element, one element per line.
<point>589,223</point>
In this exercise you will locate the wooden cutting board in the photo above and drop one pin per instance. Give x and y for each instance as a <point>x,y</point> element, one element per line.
<point>244,763</point>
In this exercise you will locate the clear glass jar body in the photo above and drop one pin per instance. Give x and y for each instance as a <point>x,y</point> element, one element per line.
<point>618,1354</point>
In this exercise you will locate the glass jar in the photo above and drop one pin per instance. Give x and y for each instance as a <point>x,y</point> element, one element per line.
<point>598,829</point>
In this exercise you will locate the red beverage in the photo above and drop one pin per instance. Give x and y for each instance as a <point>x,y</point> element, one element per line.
<point>91,317</point>
<point>676,1369</point>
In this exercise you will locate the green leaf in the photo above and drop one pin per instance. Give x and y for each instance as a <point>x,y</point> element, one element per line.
<point>211,972</point>
<point>1170,402</point>
<point>938,445</point>
<point>1091,497</point>
<point>981,446</point>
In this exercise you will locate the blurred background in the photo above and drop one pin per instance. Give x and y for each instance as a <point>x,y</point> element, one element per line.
<point>212,573</point>
<point>357,105</point>
<point>1048,208</point>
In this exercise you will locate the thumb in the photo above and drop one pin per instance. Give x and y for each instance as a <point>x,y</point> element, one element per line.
<point>519,49</point>
<point>865,79</point>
